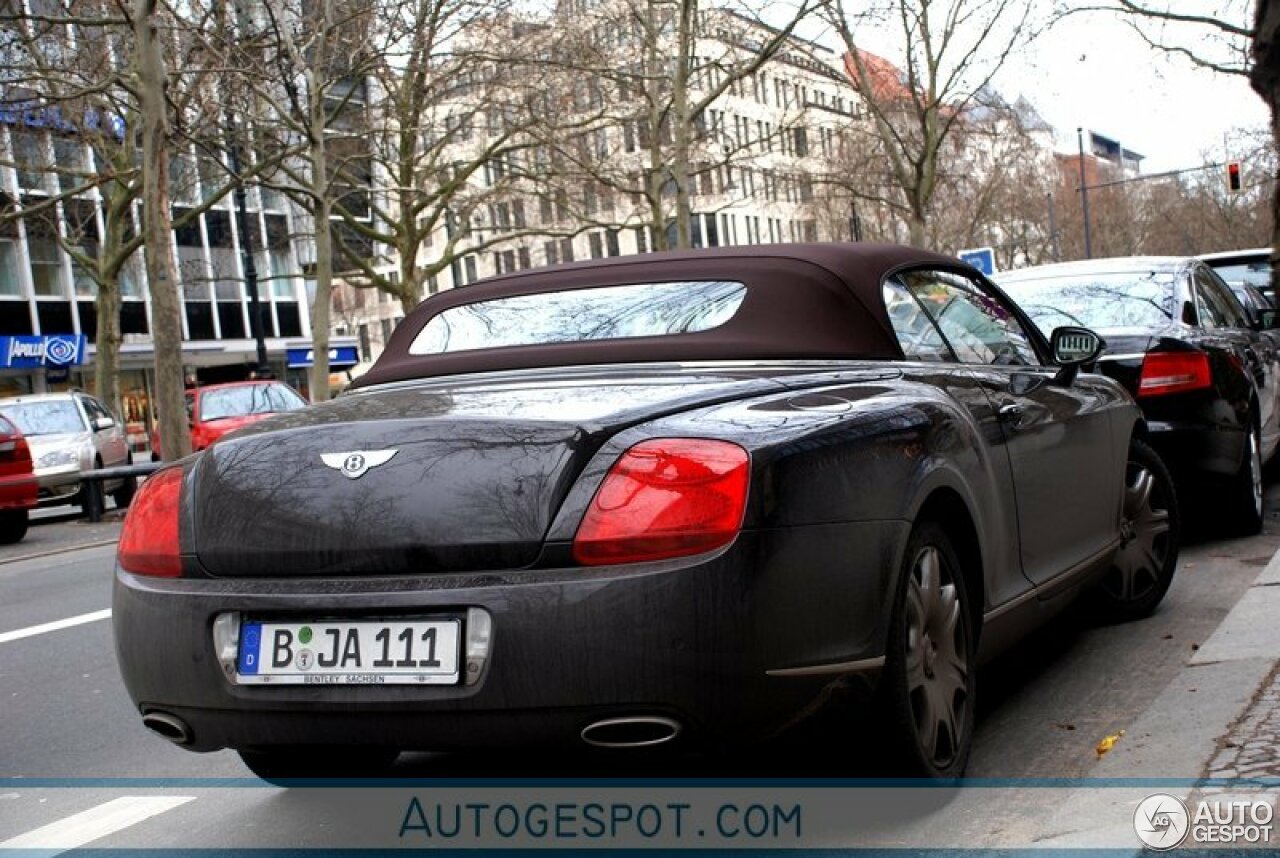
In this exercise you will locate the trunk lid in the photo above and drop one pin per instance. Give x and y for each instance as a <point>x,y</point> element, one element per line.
<point>478,472</point>
<point>1126,347</point>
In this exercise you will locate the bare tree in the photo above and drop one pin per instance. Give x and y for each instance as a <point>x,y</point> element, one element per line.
<point>951,50</point>
<point>1215,35</point>
<point>461,96</point>
<point>653,71</point>
<point>81,71</point>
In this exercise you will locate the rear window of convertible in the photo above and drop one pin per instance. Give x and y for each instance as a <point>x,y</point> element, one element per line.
<point>581,315</point>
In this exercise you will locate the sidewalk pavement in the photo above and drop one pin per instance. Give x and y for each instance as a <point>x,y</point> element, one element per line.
<point>1219,718</point>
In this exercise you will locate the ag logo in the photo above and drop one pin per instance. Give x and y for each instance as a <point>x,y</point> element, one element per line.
<point>1161,821</point>
<point>355,463</point>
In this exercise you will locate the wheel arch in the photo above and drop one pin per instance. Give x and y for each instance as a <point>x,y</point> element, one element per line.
<point>946,507</point>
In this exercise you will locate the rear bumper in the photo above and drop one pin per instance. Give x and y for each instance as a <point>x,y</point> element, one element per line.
<point>17,493</point>
<point>694,640</point>
<point>1194,449</point>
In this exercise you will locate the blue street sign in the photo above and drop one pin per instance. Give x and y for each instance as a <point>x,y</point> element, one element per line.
<point>339,357</point>
<point>981,258</point>
<point>51,350</point>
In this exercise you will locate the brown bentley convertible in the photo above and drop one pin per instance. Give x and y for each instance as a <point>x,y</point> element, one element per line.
<point>639,501</point>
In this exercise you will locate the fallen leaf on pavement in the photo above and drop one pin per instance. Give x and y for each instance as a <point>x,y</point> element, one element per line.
<point>1108,743</point>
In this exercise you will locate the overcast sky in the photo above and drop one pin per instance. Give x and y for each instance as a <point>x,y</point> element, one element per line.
<point>1093,70</point>
<point>1096,72</point>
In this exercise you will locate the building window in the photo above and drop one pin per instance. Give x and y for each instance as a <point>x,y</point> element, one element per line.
<point>469,265</point>
<point>46,263</point>
<point>10,283</point>
<point>611,243</point>
<point>802,142</point>
<point>28,151</point>
<point>596,244</point>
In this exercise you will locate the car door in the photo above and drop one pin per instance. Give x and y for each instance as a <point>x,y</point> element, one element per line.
<point>110,443</point>
<point>1225,324</point>
<point>1067,472</point>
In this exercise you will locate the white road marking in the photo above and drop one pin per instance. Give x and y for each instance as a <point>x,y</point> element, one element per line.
<point>19,634</point>
<point>95,823</point>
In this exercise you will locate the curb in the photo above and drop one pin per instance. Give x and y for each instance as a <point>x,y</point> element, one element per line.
<point>1226,673</point>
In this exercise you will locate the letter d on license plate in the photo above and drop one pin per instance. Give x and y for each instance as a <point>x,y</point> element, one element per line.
<point>364,652</point>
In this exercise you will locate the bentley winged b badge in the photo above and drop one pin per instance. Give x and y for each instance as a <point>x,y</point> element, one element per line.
<point>354,464</point>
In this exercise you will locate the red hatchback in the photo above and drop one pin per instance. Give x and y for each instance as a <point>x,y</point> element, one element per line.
<point>217,409</point>
<point>17,483</point>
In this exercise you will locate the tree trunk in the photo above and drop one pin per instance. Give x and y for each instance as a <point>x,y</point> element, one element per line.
<point>917,226</point>
<point>106,369</point>
<point>682,126</point>
<point>162,276</point>
<point>322,309</point>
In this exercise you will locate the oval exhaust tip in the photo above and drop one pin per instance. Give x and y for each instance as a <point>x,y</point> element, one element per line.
<point>636,731</point>
<point>168,726</point>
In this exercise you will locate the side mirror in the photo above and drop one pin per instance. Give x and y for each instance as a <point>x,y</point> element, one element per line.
<point>101,423</point>
<point>1074,348</point>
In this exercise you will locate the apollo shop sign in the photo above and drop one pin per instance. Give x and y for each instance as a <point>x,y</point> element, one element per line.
<point>34,352</point>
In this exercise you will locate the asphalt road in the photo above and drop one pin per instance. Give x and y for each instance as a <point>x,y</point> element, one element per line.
<point>65,714</point>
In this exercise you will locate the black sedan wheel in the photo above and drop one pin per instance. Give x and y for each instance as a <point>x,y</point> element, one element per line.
<point>1149,531</point>
<point>1245,506</point>
<point>928,685</point>
<point>283,766</point>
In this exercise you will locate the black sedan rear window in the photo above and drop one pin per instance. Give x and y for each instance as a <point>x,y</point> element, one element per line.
<point>1106,300</point>
<point>581,315</point>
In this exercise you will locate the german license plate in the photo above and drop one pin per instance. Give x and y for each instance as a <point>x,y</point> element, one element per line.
<point>364,652</point>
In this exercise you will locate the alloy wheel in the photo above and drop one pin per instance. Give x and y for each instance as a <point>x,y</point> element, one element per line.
<point>1144,537</point>
<point>937,658</point>
<point>1255,472</point>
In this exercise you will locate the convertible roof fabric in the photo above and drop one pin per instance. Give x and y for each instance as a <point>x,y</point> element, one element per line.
<point>803,301</point>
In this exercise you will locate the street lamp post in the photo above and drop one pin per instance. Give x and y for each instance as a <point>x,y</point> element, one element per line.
<point>246,252</point>
<point>1084,197</point>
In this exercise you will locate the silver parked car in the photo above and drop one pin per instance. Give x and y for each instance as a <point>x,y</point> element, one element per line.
<point>70,433</point>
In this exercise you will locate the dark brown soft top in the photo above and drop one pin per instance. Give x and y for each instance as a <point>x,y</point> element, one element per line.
<point>803,301</point>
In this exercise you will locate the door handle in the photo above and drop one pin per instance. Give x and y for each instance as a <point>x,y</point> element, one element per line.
<point>1011,413</point>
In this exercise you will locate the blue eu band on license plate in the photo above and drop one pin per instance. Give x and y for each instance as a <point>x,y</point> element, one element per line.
<point>354,652</point>
<point>250,643</point>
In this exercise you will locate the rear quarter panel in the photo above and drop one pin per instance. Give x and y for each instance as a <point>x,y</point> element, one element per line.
<point>830,463</point>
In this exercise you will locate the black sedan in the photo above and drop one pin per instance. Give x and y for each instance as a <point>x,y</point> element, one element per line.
<point>680,497</point>
<point>1203,368</point>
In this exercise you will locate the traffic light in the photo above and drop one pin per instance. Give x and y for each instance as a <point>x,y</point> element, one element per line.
<point>1233,177</point>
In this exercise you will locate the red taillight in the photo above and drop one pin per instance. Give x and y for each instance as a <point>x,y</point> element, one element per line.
<point>1174,372</point>
<point>149,542</point>
<point>15,455</point>
<point>665,498</point>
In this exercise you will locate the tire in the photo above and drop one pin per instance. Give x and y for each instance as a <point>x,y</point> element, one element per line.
<point>1150,531</point>
<point>123,496</point>
<point>13,525</point>
<point>927,691</point>
<point>285,766</point>
<point>1244,492</point>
